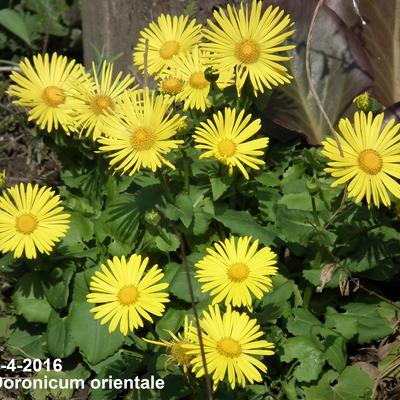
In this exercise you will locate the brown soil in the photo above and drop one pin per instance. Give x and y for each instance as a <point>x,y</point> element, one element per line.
<point>22,153</point>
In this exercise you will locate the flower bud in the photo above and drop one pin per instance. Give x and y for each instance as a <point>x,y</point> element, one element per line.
<point>152,217</point>
<point>211,74</point>
<point>365,102</point>
<point>312,186</point>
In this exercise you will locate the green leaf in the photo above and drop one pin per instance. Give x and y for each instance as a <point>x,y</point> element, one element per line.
<point>117,184</point>
<point>94,341</point>
<point>5,326</point>
<point>203,215</point>
<point>27,340</point>
<point>14,22</point>
<point>120,365</point>
<point>294,225</point>
<point>365,251</point>
<point>303,323</point>
<point>276,302</point>
<point>170,321</point>
<point>57,289</point>
<point>179,285</point>
<point>120,220</point>
<point>371,325</point>
<point>80,229</point>
<point>359,319</point>
<point>185,206</point>
<point>59,340</point>
<point>351,384</point>
<point>118,249</point>
<point>29,298</point>
<point>78,373</point>
<point>307,352</point>
<point>167,242</point>
<point>341,323</point>
<point>335,352</point>
<point>81,284</point>
<point>302,201</point>
<point>219,185</point>
<point>90,181</point>
<point>242,223</point>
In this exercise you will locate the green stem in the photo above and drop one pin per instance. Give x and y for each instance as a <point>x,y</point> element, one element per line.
<point>308,291</point>
<point>315,212</point>
<point>234,184</point>
<point>166,188</point>
<point>186,171</point>
<point>339,209</point>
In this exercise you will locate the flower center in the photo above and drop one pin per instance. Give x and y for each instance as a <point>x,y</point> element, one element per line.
<point>171,85</point>
<point>101,103</point>
<point>198,80</point>
<point>169,49</point>
<point>179,353</point>
<point>142,139</point>
<point>53,96</point>
<point>128,295</point>
<point>227,148</point>
<point>247,51</point>
<point>362,101</point>
<point>229,347</point>
<point>370,161</point>
<point>238,272</point>
<point>26,223</point>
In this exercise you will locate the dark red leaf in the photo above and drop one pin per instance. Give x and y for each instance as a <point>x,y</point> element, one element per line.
<point>339,67</point>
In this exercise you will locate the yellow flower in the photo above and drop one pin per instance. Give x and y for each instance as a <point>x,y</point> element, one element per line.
<point>46,88</point>
<point>140,135</point>
<point>362,102</point>
<point>233,270</point>
<point>175,347</point>
<point>371,157</point>
<point>31,220</point>
<point>170,84</point>
<point>169,37</point>
<point>230,342</point>
<point>97,97</point>
<point>226,139</point>
<point>128,296</point>
<point>248,44</point>
<point>190,69</point>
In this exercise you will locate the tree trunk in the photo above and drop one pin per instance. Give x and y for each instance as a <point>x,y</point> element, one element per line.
<point>112,27</point>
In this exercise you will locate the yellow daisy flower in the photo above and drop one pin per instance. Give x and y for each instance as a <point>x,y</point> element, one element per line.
<point>230,342</point>
<point>31,220</point>
<point>177,352</point>
<point>97,97</point>
<point>46,88</point>
<point>371,157</point>
<point>169,37</point>
<point>225,137</point>
<point>128,296</point>
<point>141,135</point>
<point>249,42</point>
<point>233,270</point>
<point>190,69</point>
<point>169,84</point>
